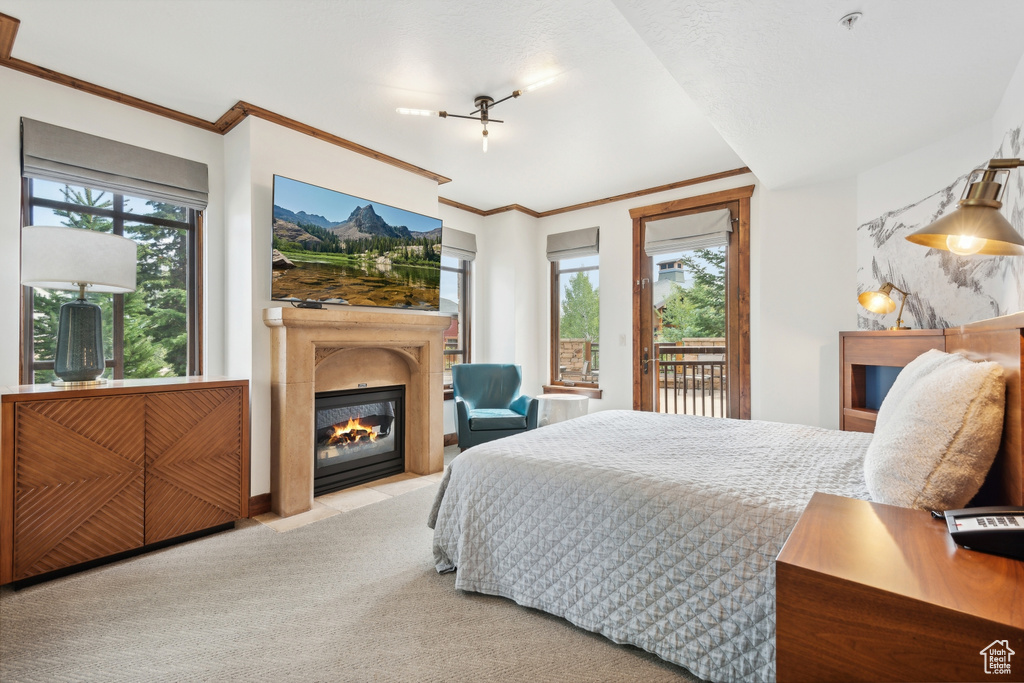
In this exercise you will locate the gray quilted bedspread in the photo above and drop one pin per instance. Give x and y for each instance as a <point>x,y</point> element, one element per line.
<point>655,530</point>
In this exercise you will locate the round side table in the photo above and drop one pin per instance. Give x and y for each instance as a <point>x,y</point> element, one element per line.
<point>560,407</point>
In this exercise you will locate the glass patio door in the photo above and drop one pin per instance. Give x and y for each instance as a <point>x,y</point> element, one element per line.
<point>691,306</point>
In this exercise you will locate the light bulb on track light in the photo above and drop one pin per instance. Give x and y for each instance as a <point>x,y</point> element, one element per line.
<point>539,84</point>
<point>416,112</point>
<point>485,139</point>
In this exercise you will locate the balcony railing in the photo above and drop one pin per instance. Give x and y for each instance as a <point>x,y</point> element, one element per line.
<point>691,377</point>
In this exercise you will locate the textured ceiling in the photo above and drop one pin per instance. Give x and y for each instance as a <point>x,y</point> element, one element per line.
<point>613,121</point>
<point>801,98</point>
<point>647,92</point>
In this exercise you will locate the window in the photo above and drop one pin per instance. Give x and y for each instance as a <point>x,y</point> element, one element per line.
<point>575,311</point>
<point>151,332</point>
<point>455,302</point>
<point>691,270</point>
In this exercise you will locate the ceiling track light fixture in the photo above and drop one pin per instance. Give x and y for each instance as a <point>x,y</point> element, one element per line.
<point>482,113</point>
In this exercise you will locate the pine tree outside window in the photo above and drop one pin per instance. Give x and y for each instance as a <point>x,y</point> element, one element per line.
<point>151,332</point>
<point>575,321</point>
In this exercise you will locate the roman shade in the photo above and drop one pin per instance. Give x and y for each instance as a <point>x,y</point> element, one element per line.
<point>686,233</point>
<point>458,244</point>
<point>573,244</point>
<point>68,156</point>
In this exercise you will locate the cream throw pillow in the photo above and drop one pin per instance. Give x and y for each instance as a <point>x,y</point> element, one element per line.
<point>908,377</point>
<point>939,435</point>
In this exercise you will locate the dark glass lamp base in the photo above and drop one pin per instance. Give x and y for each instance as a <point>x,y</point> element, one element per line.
<point>79,358</point>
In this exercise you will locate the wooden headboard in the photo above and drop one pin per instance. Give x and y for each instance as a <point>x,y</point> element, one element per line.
<point>999,340</point>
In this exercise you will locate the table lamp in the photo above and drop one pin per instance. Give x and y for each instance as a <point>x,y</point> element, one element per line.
<point>77,258</point>
<point>880,301</point>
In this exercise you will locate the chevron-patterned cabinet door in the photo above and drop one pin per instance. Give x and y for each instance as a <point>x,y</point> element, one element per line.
<point>193,461</point>
<point>79,478</point>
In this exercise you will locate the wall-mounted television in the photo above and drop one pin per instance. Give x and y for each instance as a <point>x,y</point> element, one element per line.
<point>335,248</point>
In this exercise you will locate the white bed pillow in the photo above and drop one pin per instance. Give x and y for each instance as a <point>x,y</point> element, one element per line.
<point>909,375</point>
<point>940,435</point>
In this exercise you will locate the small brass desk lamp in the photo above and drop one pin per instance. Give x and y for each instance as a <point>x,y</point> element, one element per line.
<point>880,301</point>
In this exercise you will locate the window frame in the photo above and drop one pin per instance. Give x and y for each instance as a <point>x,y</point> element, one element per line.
<point>737,288</point>
<point>193,226</point>
<point>556,384</point>
<point>465,329</point>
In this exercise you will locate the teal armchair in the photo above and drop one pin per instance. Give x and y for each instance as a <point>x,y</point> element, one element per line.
<point>488,405</point>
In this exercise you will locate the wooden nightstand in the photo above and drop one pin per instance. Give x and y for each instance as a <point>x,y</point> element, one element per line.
<point>872,592</point>
<point>869,361</point>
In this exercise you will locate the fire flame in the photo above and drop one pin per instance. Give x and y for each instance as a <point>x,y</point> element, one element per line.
<point>352,432</point>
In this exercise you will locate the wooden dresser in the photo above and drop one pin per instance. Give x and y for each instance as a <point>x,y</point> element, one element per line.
<point>868,362</point>
<point>87,474</point>
<point>872,592</point>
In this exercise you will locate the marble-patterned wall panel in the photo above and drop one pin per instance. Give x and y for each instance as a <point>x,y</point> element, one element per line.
<point>946,289</point>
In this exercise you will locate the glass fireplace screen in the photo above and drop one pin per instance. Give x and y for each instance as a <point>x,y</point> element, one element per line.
<point>358,437</point>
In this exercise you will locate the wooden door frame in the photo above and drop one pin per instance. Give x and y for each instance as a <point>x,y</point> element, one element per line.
<point>737,287</point>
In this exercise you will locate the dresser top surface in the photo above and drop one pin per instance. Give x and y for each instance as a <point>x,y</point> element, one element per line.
<point>118,386</point>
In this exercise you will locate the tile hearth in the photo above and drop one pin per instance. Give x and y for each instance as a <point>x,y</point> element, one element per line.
<point>346,500</point>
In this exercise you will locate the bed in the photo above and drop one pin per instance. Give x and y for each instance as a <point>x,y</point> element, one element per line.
<point>661,531</point>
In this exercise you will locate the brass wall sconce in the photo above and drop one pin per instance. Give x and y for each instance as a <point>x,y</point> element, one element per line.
<point>880,301</point>
<point>976,226</point>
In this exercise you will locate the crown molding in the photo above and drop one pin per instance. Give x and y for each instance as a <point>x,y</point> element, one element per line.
<point>650,190</point>
<point>704,200</point>
<point>597,202</point>
<point>231,118</point>
<point>106,93</point>
<point>459,205</point>
<point>236,114</point>
<point>8,32</point>
<point>512,207</point>
<point>489,212</point>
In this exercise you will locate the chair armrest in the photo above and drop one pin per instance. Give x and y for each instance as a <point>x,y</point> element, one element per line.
<point>525,405</point>
<point>461,416</point>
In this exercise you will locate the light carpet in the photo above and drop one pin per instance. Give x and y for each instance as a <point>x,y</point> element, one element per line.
<point>350,598</point>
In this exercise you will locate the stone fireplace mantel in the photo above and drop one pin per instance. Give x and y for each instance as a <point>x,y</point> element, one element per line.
<point>337,349</point>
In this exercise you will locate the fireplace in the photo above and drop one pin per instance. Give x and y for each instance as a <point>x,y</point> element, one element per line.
<point>359,436</point>
<point>316,351</point>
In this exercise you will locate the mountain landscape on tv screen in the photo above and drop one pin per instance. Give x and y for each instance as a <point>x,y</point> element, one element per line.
<point>361,260</point>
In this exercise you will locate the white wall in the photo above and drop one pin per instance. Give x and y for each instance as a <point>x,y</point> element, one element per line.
<point>800,235</point>
<point>237,221</point>
<point>616,283</point>
<point>35,98</point>
<point>274,150</point>
<point>1011,109</point>
<point>803,280</point>
<point>896,198</point>
<point>802,250</point>
<point>910,177</point>
<point>472,223</point>
<point>238,263</point>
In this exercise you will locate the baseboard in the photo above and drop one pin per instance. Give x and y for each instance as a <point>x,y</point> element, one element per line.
<point>259,504</point>
<point>100,561</point>
<point>449,440</point>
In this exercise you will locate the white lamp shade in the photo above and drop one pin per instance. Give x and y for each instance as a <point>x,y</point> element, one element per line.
<point>64,258</point>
